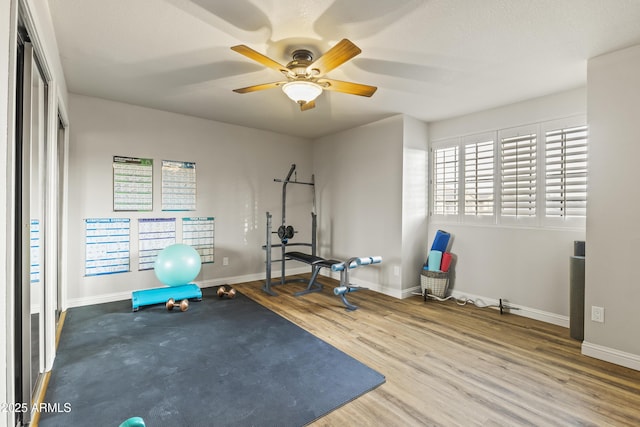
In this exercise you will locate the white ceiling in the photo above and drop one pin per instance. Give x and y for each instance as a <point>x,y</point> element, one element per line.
<point>430,59</point>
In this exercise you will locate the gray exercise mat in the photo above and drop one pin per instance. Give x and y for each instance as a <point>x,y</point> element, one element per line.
<point>224,362</point>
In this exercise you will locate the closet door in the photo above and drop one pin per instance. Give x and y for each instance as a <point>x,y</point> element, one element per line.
<point>30,216</point>
<point>38,220</point>
<point>22,282</point>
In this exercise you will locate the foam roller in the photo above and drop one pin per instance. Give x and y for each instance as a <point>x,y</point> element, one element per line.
<point>340,267</point>
<point>440,241</point>
<point>446,261</point>
<point>341,290</point>
<point>435,258</point>
<point>337,267</point>
<point>369,260</point>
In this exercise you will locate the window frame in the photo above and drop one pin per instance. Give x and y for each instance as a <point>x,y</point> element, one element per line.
<point>540,219</point>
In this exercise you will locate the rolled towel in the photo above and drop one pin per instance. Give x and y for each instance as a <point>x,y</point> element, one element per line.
<point>435,258</point>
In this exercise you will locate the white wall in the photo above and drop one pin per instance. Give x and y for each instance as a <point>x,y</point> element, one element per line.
<point>529,267</point>
<point>359,190</point>
<point>414,202</point>
<point>553,106</point>
<point>235,168</point>
<point>613,228</point>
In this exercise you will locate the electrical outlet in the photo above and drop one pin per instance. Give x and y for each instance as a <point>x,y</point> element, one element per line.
<point>597,314</point>
<point>225,261</point>
<point>396,271</point>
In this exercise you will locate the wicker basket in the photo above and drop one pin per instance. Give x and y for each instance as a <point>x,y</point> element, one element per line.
<point>434,283</point>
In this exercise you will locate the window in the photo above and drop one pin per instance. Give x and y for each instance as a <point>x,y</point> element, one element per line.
<point>518,175</point>
<point>478,178</point>
<point>566,172</point>
<point>445,183</point>
<point>533,175</point>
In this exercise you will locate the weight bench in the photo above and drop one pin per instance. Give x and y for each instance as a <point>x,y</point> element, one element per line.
<point>317,263</point>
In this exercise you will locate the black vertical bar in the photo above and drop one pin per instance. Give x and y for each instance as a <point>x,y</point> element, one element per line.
<point>17,284</point>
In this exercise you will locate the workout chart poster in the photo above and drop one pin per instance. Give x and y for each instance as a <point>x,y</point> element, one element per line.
<point>178,186</point>
<point>107,246</point>
<point>198,232</point>
<point>132,184</point>
<point>35,251</point>
<point>154,234</point>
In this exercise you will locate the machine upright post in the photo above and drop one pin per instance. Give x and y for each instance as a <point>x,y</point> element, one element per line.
<point>267,279</point>
<point>314,242</point>
<point>284,222</point>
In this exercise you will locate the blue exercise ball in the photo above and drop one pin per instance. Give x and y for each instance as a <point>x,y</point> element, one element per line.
<point>177,265</point>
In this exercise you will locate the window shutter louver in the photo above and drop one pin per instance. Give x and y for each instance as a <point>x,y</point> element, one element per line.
<point>518,175</point>
<point>478,179</point>
<point>445,198</point>
<point>566,172</point>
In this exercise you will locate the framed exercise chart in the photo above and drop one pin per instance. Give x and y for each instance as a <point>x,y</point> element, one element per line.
<point>35,251</point>
<point>198,232</point>
<point>107,246</point>
<point>178,186</point>
<point>154,234</point>
<point>132,184</point>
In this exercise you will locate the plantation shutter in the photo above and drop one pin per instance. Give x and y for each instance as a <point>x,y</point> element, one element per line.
<point>478,178</point>
<point>445,167</point>
<point>518,175</point>
<point>566,172</point>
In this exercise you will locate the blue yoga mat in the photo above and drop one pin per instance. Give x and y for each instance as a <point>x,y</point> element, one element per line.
<point>440,242</point>
<point>435,258</point>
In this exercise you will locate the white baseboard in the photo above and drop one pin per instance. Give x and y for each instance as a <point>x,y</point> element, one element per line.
<point>611,355</point>
<point>520,310</point>
<point>120,296</point>
<point>617,357</point>
<point>97,299</point>
<point>231,280</point>
<point>396,293</point>
<point>607,354</point>
<point>411,292</point>
<point>365,284</point>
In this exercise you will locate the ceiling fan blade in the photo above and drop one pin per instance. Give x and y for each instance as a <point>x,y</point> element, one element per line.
<point>262,86</point>
<point>307,106</point>
<point>347,87</point>
<point>258,57</point>
<point>334,57</point>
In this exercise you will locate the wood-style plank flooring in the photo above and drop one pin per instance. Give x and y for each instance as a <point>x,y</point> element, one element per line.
<point>451,365</point>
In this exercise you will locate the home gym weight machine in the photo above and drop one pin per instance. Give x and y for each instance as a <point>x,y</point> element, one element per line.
<point>286,232</point>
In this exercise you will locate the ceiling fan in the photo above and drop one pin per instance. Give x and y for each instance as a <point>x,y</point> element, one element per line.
<point>305,79</point>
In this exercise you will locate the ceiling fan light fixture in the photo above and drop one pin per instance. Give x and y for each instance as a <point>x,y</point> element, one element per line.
<point>302,92</point>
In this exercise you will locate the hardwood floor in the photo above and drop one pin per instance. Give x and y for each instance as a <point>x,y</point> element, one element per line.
<point>450,365</point>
